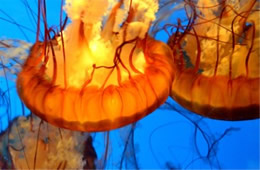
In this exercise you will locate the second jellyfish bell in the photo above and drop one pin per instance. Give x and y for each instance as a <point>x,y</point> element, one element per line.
<point>217,60</point>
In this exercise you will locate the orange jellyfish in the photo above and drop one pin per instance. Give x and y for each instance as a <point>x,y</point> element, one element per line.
<point>216,58</point>
<point>100,73</point>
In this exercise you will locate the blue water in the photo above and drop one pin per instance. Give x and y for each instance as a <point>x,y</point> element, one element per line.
<point>165,138</point>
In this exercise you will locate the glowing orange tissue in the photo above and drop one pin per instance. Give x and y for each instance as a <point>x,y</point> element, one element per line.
<point>216,59</point>
<point>100,73</point>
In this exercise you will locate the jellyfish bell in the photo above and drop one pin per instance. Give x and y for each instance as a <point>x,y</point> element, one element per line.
<point>217,60</point>
<point>102,72</point>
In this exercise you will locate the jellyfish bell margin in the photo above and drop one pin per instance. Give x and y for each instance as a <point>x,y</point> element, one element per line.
<point>80,109</point>
<point>216,60</point>
<point>121,77</point>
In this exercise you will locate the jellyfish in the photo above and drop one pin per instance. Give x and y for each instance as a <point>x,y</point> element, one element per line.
<point>103,71</point>
<point>164,136</point>
<point>37,144</point>
<point>216,59</point>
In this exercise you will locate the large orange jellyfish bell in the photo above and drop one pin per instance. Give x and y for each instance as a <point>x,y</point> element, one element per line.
<point>102,72</point>
<point>217,59</point>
